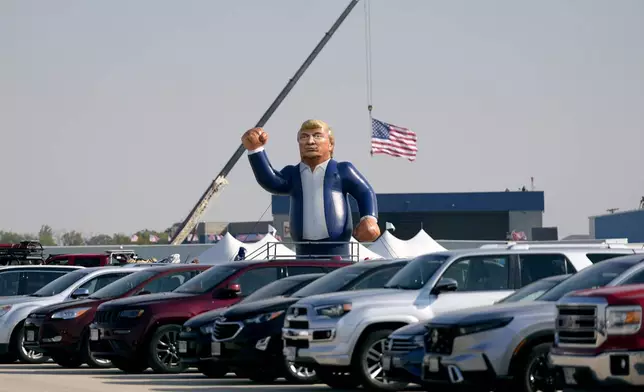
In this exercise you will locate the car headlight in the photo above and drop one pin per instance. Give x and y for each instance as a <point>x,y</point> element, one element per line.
<point>4,310</point>
<point>623,320</point>
<point>262,318</point>
<point>418,340</point>
<point>207,328</point>
<point>69,314</point>
<point>337,310</point>
<point>134,313</point>
<point>482,326</point>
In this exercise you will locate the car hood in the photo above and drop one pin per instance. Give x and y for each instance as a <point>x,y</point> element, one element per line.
<point>514,309</point>
<point>614,293</point>
<point>142,300</point>
<point>411,329</point>
<point>204,318</point>
<point>24,299</point>
<point>80,303</point>
<point>363,296</point>
<point>243,311</point>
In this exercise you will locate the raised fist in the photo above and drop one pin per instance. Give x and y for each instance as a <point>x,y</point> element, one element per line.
<point>367,230</point>
<point>254,138</point>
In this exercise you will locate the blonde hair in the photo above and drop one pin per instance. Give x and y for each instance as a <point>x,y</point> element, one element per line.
<point>315,124</point>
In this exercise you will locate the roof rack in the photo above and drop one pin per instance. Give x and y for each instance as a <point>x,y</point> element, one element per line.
<point>608,244</point>
<point>269,251</point>
<point>24,251</point>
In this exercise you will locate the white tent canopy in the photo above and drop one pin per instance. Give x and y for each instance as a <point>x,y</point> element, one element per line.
<point>267,248</point>
<point>362,251</point>
<point>223,251</point>
<point>391,247</point>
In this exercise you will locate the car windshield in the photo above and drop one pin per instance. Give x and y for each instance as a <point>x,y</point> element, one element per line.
<point>208,280</point>
<point>417,273</point>
<point>123,285</point>
<point>333,281</point>
<point>61,284</point>
<point>597,275</point>
<point>531,291</point>
<point>279,287</point>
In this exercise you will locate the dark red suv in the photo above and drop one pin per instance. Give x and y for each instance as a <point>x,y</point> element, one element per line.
<point>141,332</point>
<point>62,329</point>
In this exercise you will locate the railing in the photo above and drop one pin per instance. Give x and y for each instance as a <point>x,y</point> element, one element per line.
<point>270,250</point>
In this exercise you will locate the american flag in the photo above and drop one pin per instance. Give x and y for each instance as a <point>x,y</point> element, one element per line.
<point>393,140</point>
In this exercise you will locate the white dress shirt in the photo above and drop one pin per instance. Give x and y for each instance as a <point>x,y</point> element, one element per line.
<point>314,221</point>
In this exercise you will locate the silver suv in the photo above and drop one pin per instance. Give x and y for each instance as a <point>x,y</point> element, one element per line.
<point>510,342</point>
<point>342,335</point>
<point>14,310</point>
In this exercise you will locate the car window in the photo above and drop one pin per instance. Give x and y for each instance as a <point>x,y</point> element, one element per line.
<point>59,262</point>
<point>480,273</point>
<point>530,292</point>
<point>9,283</point>
<point>101,281</point>
<point>32,281</point>
<point>301,270</point>
<point>535,267</point>
<point>62,283</point>
<point>169,282</point>
<point>636,278</point>
<point>87,261</point>
<point>254,279</point>
<point>417,273</point>
<point>279,287</point>
<point>377,279</point>
<point>597,257</point>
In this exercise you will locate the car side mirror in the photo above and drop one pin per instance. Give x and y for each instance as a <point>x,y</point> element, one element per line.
<point>445,285</point>
<point>78,293</point>
<point>233,290</point>
<point>143,292</point>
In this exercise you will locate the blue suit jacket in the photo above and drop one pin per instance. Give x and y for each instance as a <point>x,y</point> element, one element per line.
<point>341,178</point>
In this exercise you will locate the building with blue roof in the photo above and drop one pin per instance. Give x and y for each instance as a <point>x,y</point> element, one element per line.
<point>448,216</point>
<point>624,224</point>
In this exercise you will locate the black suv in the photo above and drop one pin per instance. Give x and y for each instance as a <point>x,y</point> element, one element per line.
<point>247,338</point>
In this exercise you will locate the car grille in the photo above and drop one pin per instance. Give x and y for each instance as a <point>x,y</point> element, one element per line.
<point>296,324</point>
<point>297,311</point>
<point>439,340</point>
<point>225,330</point>
<point>576,325</point>
<point>106,317</point>
<point>401,345</point>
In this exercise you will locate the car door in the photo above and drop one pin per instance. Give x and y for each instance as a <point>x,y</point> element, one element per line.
<point>9,283</point>
<point>256,278</point>
<point>481,279</point>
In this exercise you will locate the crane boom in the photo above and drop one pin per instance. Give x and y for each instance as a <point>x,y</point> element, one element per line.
<point>216,187</point>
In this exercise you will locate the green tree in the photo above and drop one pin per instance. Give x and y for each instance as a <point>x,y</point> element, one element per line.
<point>100,239</point>
<point>46,236</point>
<point>121,239</point>
<point>72,238</point>
<point>9,237</point>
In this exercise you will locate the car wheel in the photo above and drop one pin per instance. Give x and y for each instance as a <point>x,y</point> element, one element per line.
<point>535,373</point>
<point>299,374</point>
<point>89,358</point>
<point>25,355</point>
<point>262,376</point>
<point>130,365</point>
<point>212,370</point>
<point>163,352</point>
<point>68,361</point>
<point>367,366</point>
<point>337,378</point>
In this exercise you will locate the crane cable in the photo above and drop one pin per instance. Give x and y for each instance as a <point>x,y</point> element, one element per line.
<point>367,28</point>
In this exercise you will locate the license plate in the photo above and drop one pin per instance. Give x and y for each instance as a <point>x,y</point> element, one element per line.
<point>183,346</point>
<point>569,376</point>
<point>93,334</point>
<point>290,353</point>
<point>215,348</point>
<point>386,363</point>
<point>433,365</point>
<point>31,336</point>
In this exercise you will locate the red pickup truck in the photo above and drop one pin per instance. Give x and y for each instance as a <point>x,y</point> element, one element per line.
<point>599,341</point>
<point>109,258</point>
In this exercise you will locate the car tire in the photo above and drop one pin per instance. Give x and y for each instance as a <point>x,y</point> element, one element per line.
<point>337,378</point>
<point>297,374</point>
<point>262,376</point>
<point>366,361</point>
<point>68,361</point>
<point>211,370</point>
<point>89,359</point>
<point>24,355</point>
<point>163,354</point>
<point>130,365</point>
<point>533,373</point>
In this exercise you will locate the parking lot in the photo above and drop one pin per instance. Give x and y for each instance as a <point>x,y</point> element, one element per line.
<point>53,378</point>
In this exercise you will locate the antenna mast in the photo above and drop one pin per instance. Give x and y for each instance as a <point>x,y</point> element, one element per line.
<point>216,187</point>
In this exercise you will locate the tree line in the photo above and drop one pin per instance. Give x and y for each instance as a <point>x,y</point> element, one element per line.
<point>47,237</point>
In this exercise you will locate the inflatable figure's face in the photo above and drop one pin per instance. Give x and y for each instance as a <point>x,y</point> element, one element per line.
<point>315,144</point>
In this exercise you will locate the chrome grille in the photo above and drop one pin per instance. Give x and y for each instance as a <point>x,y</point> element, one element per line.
<point>576,324</point>
<point>106,316</point>
<point>401,345</point>
<point>226,331</point>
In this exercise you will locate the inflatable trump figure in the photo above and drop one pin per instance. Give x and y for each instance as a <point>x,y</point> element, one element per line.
<point>318,187</point>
